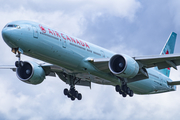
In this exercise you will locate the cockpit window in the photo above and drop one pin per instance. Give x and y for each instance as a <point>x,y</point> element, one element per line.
<point>14,26</point>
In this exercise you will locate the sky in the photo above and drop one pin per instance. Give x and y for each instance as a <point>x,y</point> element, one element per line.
<point>133,27</point>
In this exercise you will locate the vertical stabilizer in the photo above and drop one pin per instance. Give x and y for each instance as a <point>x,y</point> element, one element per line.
<point>168,49</point>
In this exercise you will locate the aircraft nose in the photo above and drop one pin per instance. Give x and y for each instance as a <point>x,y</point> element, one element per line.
<point>6,34</point>
<point>8,37</point>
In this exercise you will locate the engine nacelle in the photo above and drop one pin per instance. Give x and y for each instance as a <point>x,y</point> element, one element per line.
<point>123,66</point>
<point>30,72</point>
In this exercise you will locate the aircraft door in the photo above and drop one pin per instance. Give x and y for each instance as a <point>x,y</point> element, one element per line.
<point>35,32</point>
<point>102,54</point>
<point>64,44</point>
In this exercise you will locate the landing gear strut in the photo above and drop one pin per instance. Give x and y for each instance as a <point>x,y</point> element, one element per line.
<point>72,93</point>
<point>19,62</point>
<point>124,90</point>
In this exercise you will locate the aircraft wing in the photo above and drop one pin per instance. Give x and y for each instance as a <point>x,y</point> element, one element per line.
<point>100,63</point>
<point>12,67</point>
<point>46,67</point>
<point>52,70</point>
<point>160,61</point>
<point>174,83</point>
<point>49,69</point>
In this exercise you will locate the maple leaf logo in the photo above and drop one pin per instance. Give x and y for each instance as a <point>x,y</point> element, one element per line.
<point>42,28</point>
<point>167,52</point>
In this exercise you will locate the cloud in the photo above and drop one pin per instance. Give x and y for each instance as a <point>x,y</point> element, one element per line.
<point>115,7</point>
<point>127,26</point>
<point>149,29</point>
<point>67,13</point>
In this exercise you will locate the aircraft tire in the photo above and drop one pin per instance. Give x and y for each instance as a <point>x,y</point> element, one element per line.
<point>124,88</point>
<point>117,88</point>
<point>124,94</point>
<point>72,98</point>
<point>69,95</point>
<point>66,91</point>
<point>79,96</point>
<point>128,90</point>
<point>76,94</point>
<point>72,91</point>
<point>120,92</point>
<point>131,93</point>
<point>17,63</point>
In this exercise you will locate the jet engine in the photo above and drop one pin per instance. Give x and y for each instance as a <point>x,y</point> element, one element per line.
<point>30,72</point>
<point>123,66</point>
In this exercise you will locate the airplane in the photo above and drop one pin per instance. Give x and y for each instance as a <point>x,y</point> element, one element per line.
<point>78,62</point>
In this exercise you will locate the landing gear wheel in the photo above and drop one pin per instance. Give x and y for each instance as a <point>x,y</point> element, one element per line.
<point>68,95</point>
<point>124,88</point>
<point>76,94</point>
<point>72,93</point>
<point>120,92</point>
<point>66,91</point>
<point>72,98</point>
<point>117,88</point>
<point>124,94</point>
<point>128,90</point>
<point>79,96</point>
<point>131,93</point>
<point>17,63</point>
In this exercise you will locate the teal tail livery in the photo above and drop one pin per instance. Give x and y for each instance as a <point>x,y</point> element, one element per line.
<point>78,62</point>
<point>168,49</point>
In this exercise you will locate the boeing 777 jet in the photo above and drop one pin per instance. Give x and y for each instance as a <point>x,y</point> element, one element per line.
<point>77,62</point>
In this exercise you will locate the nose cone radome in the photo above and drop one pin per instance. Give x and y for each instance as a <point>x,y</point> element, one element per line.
<point>8,37</point>
<point>6,34</point>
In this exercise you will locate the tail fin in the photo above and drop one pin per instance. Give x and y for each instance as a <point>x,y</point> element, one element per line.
<point>168,49</point>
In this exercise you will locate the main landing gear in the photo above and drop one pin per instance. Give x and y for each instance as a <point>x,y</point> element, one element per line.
<point>72,93</point>
<point>124,90</point>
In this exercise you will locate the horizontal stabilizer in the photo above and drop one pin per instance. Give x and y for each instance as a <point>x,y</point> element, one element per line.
<point>174,83</point>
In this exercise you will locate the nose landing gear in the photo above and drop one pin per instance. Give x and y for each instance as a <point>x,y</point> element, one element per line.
<point>18,63</point>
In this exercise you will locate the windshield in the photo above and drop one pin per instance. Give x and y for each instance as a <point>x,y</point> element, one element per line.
<point>12,25</point>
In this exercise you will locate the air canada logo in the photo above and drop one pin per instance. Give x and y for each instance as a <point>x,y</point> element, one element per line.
<point>42,28</point>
